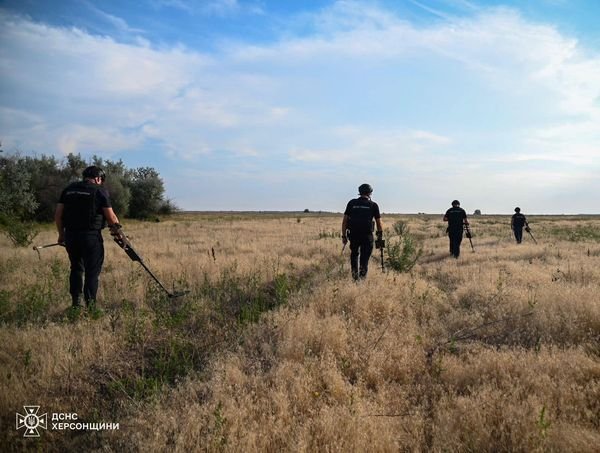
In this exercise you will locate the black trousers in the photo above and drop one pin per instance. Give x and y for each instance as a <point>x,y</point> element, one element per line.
<point>361,247</point>
<point>455,235</point>
<point>518,234</point>
<point>86,253</point>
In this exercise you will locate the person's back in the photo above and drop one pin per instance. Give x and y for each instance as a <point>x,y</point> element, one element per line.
<point>519,220</point>
<point>358,221</point>
<point>455,217</point>
<point>83,203</point>
<point>361,212</point>
<point>457,220</point>
<point>82,211</point>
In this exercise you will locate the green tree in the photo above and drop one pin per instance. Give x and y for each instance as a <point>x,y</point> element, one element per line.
<point>147,191</point>
<point>74,166</point>
<point>17,201</point>
<point>47,181</point>
<point>16,197</point>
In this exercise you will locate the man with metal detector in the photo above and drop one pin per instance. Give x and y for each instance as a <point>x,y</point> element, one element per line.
<point>517,222</point>
<point>457,222</point>
<point>83,210</point>
<point>357,227</point>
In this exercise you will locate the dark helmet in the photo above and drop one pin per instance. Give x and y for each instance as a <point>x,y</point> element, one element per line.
<point>94,172</point>
<point>455,203</point>
<point>517,209</point>
<point>365,189</point>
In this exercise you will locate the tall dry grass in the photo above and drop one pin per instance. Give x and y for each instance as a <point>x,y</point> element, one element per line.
<point>275,349</point>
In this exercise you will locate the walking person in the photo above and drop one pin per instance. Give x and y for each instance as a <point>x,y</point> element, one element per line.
<point>457,221</point>
<point>357,226</point>
<point>83,210</point>
<point>517,222</point>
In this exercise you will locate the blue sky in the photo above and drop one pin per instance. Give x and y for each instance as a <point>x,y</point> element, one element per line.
<point>287,105</point>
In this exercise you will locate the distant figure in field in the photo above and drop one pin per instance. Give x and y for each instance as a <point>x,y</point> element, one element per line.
<point>517,222</point>
<point>457,220</point>
<point>82,212</point>
<point>357,226</point>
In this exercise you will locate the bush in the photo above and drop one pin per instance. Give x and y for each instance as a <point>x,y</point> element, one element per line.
<point>402,248</point>
<point>21,233</point>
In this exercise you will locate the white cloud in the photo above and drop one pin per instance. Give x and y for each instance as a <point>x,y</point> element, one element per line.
<point>359,85</point>
<point>374,148</point>
<point>211,7</point>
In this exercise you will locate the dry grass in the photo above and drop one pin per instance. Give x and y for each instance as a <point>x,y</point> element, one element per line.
<point>275,349</point>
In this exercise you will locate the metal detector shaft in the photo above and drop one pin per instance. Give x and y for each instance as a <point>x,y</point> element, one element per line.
<point>531,234</point>
<point>347,233</point>
<point>124,243</point>
<point>469,236</point>
<point>37,248</point>
<point>380,244</point>
<point>156,279</point>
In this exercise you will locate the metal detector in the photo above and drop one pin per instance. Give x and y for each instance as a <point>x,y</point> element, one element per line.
<point>530,234</point>
<point>380,244</point>
<point>37,248</point>
<point>469,236</point>
<point>124,243</point>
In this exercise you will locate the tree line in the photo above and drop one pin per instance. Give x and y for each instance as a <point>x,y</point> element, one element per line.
<point>30,187</point>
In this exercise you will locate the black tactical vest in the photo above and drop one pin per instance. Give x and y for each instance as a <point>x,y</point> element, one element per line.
<point>81,211</point>
<point>455,216</point>
<point>518,220</point>
<point>361,216</point>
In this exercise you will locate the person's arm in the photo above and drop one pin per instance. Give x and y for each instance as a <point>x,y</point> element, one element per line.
<point>113,224</point>
<point>344,228</point>
<point>465,220</point>
<point>110,216</point>
<point>379,225</point>
<point>58,220</point>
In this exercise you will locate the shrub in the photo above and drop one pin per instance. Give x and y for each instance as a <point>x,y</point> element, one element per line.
<point>21,233</point>
<point>402,248</point>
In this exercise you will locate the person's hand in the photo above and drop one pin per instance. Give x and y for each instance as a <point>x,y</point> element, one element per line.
<point>61,239</point>
<point>379,235</point>
<point>344,240</point>
<point>116,231</point>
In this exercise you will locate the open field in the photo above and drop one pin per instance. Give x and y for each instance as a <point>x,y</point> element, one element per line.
<point>276,349</point>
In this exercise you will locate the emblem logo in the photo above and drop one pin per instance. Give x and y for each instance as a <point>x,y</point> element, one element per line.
<point>31,421</point>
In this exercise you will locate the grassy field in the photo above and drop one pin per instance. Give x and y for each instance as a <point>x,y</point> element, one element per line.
<point>276,349</point>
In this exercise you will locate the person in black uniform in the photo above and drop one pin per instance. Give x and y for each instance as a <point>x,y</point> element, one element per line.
<point>357,226</point>
<point>517,222</point>
<point>82,212</point>
<point>457,220</point>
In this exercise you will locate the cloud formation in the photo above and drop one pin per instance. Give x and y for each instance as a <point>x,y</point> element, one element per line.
<point>483,102</point>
